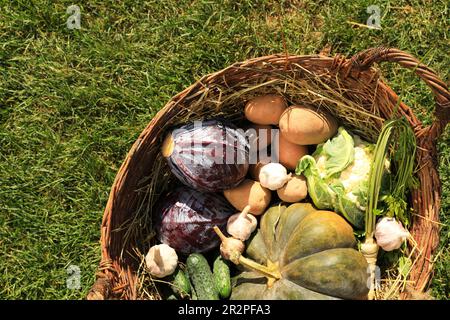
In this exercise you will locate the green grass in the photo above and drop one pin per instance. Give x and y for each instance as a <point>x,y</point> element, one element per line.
<point>72,102</point>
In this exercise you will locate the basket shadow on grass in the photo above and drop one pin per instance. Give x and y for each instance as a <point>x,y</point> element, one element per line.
<point>349,103</point>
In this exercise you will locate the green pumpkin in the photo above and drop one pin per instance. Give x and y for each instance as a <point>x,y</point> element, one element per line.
<point>300,253</point>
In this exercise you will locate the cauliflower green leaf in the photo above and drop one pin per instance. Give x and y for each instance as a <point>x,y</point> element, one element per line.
<point>339,153</point>
<point>337,175</point>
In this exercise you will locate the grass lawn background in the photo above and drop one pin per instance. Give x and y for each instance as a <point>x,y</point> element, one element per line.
<point>72,102</point>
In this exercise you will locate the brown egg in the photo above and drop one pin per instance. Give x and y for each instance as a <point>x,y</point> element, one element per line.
<point>265,109</point>
<point>289,153</point>
<point>294,190</point>
<point>259,136</point>
<point>304,126</point>
<point>250,193</point>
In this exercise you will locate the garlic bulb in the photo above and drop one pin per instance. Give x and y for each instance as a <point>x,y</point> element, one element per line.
<point>241,225</point>
<point>273,176</point>
<point>161,260</point>
<point>390,234</point>
<point>230,248</point>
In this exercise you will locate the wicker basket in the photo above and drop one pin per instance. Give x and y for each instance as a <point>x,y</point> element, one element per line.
<point>143,175</point>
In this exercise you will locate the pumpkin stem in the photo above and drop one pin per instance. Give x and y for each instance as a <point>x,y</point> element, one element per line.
<point>259,268</point>
<point>250,264</point>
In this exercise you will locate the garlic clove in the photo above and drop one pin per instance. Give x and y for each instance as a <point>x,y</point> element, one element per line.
<point>161,260</point>
<point>241,225</point>
<point>273,176</point>
<point>230,248</point>
<point>390,234</point>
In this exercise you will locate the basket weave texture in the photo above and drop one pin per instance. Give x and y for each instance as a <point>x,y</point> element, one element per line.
<point>354,79</point>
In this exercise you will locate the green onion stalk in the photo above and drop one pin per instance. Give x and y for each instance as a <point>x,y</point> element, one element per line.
<point>403,154</point>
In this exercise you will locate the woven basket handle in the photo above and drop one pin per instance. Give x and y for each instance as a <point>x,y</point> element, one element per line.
<point>365,59</point>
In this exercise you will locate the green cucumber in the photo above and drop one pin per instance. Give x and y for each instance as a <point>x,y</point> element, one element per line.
<point>201,277</point>
<point>180,283</point>
<point>172,297</point>
<point>193,293</point>
<point>221,271</point>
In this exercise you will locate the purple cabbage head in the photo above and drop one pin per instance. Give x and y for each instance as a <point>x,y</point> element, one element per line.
<point>209,156</point>
<point>186,217</point>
